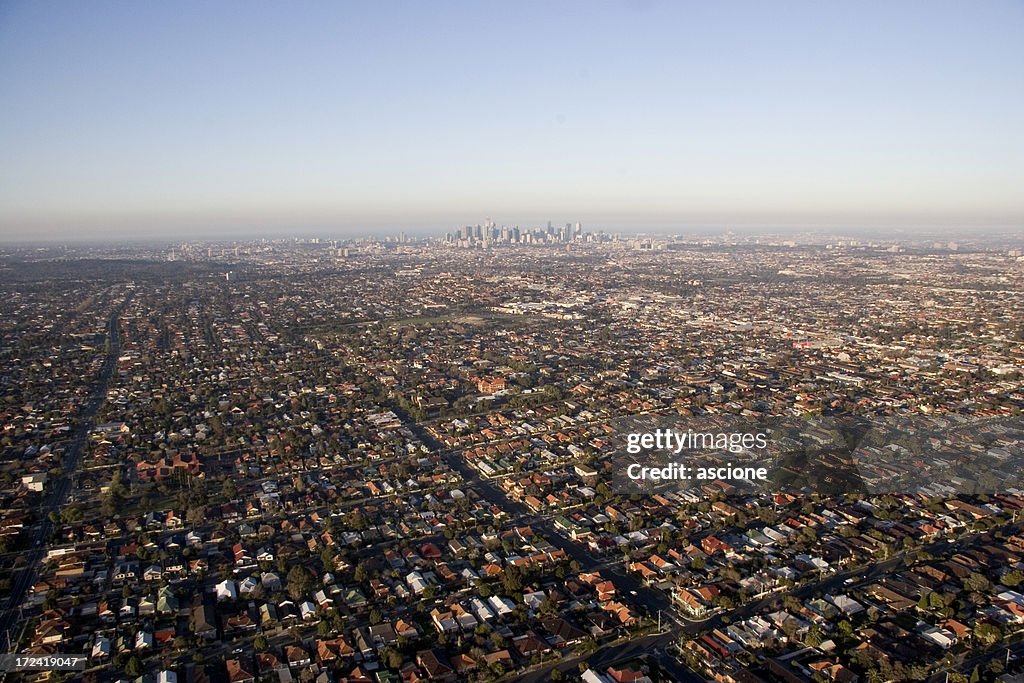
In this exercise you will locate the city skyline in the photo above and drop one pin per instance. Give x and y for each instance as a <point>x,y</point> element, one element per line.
<point>128,121</point>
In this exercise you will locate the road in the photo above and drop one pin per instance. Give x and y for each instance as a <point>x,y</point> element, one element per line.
<point>630,588</point>
<point>650,599</point>
<point>59,488</point>
<point>646,646</point>
<point>655,601</point>
<point>998,652</point>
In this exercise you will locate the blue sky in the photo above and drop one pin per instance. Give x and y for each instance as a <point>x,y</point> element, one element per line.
<point>122,117</point>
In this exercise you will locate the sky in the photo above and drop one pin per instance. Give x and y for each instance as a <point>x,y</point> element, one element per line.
<point>156,118</point>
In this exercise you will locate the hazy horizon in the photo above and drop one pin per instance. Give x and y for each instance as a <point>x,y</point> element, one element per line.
<point>988,235</point>
<point>184,120</point>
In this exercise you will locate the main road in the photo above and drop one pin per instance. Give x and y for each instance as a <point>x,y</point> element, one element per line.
<point>655,601</point>
<point>650,599</point>
<point>59,488</point>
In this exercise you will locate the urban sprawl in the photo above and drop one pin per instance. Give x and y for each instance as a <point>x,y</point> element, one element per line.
<point>390,460</point>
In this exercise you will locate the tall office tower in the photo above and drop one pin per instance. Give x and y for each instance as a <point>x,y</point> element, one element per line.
<point>579,230</point>
<point>515,234</point>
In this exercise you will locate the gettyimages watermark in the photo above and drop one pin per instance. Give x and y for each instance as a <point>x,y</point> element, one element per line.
<point>675,443</point>
<point>939,456</point>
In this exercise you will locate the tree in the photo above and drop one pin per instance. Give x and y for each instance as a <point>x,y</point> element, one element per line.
<point>976,583</point>
<point>196,514</point>
<point>299,582</point>
<point>987,634</point>
<point>994,668</point>
<point>113,500</point>
<point>789,627</point>
<point>512,580</point>
<point>71,513</point>
<point>1013,579</point>
<point>846,629</point>
<point>357,520</point>
<point>260,643</point>
<point>133,667</point>
<point>394,659</point>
